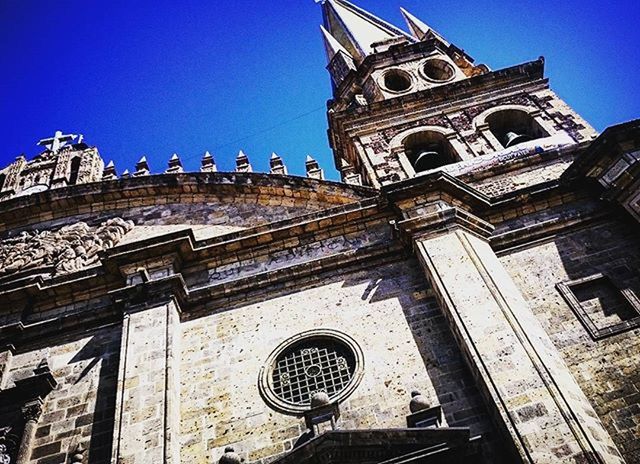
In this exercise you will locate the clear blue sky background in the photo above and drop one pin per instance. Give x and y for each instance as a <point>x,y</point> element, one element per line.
<point>158,77</point>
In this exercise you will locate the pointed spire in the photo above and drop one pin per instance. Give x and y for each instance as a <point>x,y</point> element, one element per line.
<point>242,162</point>
<point>175,165</point>
<point>331,45</point>
<point>276,165</point>
<point>313,168</point>
<point>356,29</point>
<point>142,167</point>
<point>208,164</point>
<point>419,29</point>
<point>126,174</point>
<point>109,172</point>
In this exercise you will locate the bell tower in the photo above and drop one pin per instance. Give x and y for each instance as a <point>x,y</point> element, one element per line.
<point>406,103</point>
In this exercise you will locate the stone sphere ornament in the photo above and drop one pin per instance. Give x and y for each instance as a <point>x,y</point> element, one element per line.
<point>418,402</point>
<point>230,457</point>
<point>319,399</point>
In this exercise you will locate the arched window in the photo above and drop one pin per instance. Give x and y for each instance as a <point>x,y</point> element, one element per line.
<point>511,127</point>
<point>428,150</point>
<point>75,169</point>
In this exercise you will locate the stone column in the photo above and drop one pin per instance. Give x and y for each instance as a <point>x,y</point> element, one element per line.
<point>147,403</point>
<point>31,413</point>
<point>6,355</point>
<point>527,386</point>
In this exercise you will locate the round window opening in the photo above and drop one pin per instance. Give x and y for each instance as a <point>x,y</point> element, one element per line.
<point>316,361</point>
<point>397,81</point>
<point>438,70</point>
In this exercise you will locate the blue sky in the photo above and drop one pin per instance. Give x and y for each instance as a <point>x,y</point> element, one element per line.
<point>158,77</point>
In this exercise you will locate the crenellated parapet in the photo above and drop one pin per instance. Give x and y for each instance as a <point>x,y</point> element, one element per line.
<point>64,163</point>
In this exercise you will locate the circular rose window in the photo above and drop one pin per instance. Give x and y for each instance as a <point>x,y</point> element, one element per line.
<point>316,361</point>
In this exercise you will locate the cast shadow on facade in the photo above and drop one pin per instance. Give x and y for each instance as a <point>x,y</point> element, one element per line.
<point>82,422</point>
<point>452,383</point>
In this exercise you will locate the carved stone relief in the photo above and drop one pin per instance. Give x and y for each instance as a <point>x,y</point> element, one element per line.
<point>71,248</point>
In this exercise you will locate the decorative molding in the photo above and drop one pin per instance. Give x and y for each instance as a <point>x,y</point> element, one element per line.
<point>66,250</point>
<point>32,411</point>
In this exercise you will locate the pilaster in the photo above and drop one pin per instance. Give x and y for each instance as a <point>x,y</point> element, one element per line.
<point>6,356</point>
<point>527,386</point>
<point>147,405</point>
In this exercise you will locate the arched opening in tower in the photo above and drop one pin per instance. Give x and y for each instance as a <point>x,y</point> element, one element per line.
<point>75,170</point>
<point>512,127</point>
<point>428,150</point>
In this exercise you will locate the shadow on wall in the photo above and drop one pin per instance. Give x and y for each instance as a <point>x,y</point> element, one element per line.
<point>611,249</point>
<point>98,408</point>
<point>455,389</point>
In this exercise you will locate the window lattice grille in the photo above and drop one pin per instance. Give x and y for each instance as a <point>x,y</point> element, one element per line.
<point>312,367</point>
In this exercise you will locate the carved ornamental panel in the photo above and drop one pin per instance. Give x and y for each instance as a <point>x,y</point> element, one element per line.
<point>69,249</point>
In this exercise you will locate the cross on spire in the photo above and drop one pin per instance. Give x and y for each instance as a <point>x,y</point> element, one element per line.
<point>55,143</point>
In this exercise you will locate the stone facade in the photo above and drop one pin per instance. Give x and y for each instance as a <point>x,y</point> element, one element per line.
<point>470,293</point>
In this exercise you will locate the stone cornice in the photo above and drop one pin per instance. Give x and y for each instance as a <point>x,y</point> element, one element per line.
<point>442,221</point>
<point>436,182</point>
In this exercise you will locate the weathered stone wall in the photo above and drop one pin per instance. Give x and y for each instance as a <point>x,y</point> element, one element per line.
<point>507,182</point>
<point>387,310</point>
<point>80,410</point>
<point>240,196</point>
<point>206,220</point>
<point>216,217</point>
<point>606,369</point>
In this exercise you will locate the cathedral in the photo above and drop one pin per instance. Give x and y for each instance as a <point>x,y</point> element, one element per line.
<point>468,293</point>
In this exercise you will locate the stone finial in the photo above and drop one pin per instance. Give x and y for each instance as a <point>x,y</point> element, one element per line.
<point>319,399</point>
<point>418,402</point>
<point>126,174</point>
<point>276,165</point>
<point>175,165</point>
<point>142,167</point>
<point>349,174</point>
<point>242,162</point>
<point>109,172</point>
<point>208,164</point>
<point>230,457</point>
<point>313,169</point>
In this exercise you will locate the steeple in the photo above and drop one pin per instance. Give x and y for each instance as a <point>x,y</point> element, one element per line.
<point>331,45</point>
<point>419,29</point>
<point>356,29</point>
<point>440,109</point>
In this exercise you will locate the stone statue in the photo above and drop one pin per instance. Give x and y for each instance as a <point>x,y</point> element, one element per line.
<point>69,249</point>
